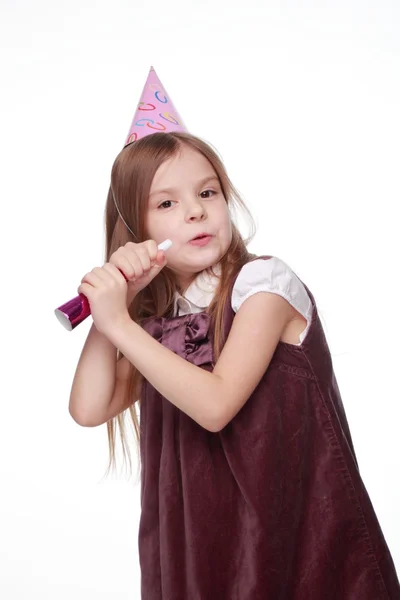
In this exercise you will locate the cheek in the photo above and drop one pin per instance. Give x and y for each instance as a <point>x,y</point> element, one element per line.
<point>227,222</point>
<point>153,228</point>
<point>161,229</point>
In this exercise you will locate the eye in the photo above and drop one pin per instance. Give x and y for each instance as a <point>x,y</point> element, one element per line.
<point>163,204</point>
<point>207,192</point>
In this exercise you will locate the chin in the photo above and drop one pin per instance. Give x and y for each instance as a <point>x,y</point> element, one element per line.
<point>207,260</point>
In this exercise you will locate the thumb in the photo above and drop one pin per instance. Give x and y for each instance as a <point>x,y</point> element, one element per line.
<point>160,263</point>
<point>137,285</point>
<point>161,260</point>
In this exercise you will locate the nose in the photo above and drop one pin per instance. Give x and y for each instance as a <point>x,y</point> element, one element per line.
<point>195,211</point>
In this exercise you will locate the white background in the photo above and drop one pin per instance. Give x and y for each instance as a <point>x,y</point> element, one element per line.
<point>302,101</point>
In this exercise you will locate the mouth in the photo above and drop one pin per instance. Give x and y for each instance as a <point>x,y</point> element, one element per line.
<point>201,239</point>
<point>200,236</point>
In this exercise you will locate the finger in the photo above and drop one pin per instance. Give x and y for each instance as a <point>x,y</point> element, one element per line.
<point>86,289</point>
<point>94,277</point>
<point>128,261</point>
<point>138,256</point>
<point>123,265</point>
<point>120,260</point>
<point>160,262</point>
<point>114,271</point>
<point>152,249</point>
<point>136,264</point>
<point>145,259</point>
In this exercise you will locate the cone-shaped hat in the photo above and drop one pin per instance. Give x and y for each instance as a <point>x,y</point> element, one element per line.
<point>155,111</point>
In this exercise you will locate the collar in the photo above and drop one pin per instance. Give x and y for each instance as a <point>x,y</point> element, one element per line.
<point>198,295</point>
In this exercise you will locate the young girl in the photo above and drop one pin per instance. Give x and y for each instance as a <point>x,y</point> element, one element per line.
<point>250,484</point>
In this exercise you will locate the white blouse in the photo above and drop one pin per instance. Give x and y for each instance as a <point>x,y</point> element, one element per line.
<point>259,275</point>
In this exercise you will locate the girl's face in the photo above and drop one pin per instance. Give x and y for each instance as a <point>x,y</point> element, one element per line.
<point>185,201</point>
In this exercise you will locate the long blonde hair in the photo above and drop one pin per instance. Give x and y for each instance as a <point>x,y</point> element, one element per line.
<point>131,178</point>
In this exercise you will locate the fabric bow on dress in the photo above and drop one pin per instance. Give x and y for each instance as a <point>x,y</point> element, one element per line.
<point>187,336</point>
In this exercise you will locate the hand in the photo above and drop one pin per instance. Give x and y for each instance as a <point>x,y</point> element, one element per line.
<point>139,263</point>
<point>110,289</point>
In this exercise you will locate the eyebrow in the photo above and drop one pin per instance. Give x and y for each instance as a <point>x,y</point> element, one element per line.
<point>199,183</point>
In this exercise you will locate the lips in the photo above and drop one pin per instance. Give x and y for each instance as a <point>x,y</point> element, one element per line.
<point>200,236</point>
<point>201,239</point>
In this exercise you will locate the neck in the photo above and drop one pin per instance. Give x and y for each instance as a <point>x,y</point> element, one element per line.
<point>184,283</point>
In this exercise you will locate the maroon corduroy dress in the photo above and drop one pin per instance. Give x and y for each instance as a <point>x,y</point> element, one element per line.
<point>272,507</point>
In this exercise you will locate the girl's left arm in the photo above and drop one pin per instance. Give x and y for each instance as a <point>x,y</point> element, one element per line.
<point>211,399</point>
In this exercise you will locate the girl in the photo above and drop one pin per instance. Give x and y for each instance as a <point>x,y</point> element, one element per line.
<point>250,483</point>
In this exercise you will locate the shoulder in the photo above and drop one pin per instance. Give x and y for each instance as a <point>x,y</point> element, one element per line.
<point>271,275</point>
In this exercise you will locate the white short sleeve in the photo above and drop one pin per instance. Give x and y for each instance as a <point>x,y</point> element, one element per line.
<point>275,276</point>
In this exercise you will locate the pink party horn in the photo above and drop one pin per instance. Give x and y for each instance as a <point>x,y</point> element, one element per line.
<point>77,310</point>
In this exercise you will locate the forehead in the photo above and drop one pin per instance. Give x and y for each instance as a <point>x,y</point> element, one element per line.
<point>188,165</point>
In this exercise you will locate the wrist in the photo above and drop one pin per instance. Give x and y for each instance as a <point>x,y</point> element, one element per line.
<point>118,328</point>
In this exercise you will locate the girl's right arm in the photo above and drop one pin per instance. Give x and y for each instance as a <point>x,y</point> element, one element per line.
<point>98,391</point>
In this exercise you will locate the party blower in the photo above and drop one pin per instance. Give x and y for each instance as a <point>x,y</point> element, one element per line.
<point>77,310</point>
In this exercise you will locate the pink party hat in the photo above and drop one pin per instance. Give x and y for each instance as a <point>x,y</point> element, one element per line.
<point>155,111</point>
